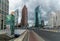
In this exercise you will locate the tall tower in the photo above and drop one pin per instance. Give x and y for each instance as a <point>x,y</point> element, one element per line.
<point>16,16</point>
<point>36,16</point>
<point>24,19</point>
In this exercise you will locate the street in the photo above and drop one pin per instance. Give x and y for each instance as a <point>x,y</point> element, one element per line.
<point>48,36</point>
<point>29,20</point>
<point>32,36</point>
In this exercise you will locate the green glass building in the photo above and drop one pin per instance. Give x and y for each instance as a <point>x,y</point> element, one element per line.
<point>4,10</point>
<point>38,16</point>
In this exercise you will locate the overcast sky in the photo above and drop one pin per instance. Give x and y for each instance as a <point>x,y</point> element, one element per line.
<point>47,6</point>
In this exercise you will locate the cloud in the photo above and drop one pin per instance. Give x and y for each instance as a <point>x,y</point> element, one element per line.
<point>13,4</point>
<point>47,6</point>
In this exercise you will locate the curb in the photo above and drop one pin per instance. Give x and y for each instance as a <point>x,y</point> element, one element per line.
<point>21,37</point>
<point>50,30</point>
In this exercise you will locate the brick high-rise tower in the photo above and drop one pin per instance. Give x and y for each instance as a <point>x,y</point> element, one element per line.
<point>24,19</point>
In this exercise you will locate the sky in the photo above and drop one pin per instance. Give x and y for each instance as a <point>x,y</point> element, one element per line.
<point>47,6</point>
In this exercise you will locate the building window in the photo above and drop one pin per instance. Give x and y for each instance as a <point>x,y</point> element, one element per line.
<point>0,1</point>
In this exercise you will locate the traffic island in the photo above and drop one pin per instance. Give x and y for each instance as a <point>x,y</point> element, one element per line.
<point>22,37</point>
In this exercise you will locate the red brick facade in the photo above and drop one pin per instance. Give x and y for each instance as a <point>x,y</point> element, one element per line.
<point>24,19</point>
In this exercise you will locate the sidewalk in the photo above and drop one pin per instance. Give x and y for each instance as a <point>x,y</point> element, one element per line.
<point>3,36</point>
<point>51,30</point>
<point>5,32</point>
<point>2,32</point>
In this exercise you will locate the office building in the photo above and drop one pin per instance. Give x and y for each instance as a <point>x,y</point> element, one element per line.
<point>52,20</point>
<point>24,19</point>
<point>4,10</point>
<point>16,16</point>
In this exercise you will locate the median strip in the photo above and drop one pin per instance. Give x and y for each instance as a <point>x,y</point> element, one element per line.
<point>50,30</point>
<point>21,37</point>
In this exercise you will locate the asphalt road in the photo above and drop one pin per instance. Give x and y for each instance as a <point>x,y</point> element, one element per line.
<point>32,36</point>
<point>48,36</point>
